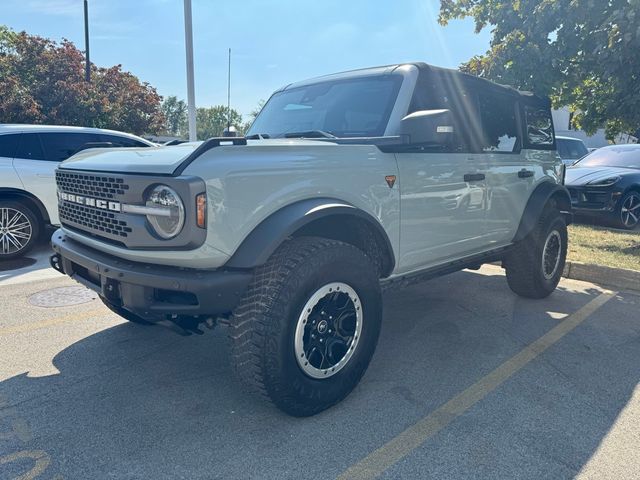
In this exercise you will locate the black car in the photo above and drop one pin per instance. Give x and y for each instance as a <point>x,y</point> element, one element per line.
<point>606,184</point>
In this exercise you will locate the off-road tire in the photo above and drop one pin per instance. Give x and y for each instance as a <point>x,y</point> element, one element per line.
<point>126,314</point>
<point>524,264</point>
<point>263,326</point>
<point>35,228</point>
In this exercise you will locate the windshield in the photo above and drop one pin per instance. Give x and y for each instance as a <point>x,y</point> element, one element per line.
<point>357,107</point>
<point>626,156</point>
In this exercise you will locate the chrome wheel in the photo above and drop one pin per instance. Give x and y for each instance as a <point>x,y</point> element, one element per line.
<point>15,231</point>
<point>551,254</point>
<point>328,330</point>
<point>630,211</point>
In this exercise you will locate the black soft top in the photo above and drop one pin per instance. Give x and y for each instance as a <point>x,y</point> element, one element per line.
<point>430,74</point>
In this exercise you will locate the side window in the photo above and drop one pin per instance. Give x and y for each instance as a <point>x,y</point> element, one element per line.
<point>121,141</point>
<point>499,122</point>
<point>60,146</point>
<point>539,126</point>
<point>29,147</point>
<point>447,92</point>
<point>8,145</point>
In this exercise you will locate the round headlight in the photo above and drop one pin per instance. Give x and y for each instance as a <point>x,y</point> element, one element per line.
<point>169,220</point>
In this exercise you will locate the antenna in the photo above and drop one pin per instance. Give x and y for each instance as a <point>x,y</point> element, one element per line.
<point>229,94</point>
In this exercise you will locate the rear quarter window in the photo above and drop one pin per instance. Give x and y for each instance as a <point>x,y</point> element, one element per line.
<point>539,127</point>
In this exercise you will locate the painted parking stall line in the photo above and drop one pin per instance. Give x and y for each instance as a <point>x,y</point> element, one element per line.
<point>410,439</point>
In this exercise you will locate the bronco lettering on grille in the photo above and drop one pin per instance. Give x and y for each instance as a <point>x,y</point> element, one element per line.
<point>90,202</point>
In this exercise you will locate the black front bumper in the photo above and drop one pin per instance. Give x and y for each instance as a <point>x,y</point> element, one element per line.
<point>594,200</point>
<point>152,292</point>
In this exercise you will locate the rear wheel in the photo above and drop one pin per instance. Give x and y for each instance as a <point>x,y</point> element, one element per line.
<point>19,229</point>
<point>308,325</point>
<point>535,265</point>
<point>629,211</point>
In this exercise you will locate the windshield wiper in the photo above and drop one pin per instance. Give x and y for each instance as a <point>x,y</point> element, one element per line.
<point>309,134</point>
<point>258,136</point>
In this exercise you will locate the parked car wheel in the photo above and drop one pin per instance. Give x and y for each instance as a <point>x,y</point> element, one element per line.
<point>535,265</point>
<point>19,229</point>
<point>308,325</point>
<point>629,211</point>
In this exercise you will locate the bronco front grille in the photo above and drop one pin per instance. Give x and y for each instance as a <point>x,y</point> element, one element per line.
<point>93,219</point>
<point>91,185</point>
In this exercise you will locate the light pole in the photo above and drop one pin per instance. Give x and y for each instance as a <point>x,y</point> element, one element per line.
<point>87,67</point>
<point>191,98</point>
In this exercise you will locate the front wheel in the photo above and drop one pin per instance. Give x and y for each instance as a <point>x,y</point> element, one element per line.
<point>629,211</point>
<point>308,325</point>
<point>535,265</point>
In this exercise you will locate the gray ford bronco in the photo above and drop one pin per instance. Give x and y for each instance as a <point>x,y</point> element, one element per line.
<point>343,185</point>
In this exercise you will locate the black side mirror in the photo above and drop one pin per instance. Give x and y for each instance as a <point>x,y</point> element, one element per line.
<point>428,127</point>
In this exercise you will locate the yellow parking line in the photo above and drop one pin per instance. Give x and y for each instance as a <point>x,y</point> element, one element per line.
<point>406,442</point>
<point>85,315</point>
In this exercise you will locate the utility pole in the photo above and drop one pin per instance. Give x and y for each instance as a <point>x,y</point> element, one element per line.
<point>191,97</point>
<point>229,94</point>
<point>87,67</point>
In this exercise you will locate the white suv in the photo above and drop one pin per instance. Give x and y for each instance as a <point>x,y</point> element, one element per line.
<point>392,174</point>
<point>29,155</point>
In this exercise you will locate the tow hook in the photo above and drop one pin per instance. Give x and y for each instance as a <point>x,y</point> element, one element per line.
<point>56,263</point>
<point>190,325</point>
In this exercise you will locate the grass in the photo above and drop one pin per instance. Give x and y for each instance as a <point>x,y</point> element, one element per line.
<point>603,246</point>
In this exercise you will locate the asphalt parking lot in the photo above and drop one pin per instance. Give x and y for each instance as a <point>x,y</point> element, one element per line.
<point>468,381</point>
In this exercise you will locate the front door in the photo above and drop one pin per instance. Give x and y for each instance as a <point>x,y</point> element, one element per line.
<point>442,207</point>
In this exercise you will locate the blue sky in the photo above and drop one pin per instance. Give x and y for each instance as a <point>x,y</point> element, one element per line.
<point>274,42</point>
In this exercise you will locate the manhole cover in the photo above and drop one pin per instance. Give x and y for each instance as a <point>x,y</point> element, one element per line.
<point>16,263</point>
<point>62,297</point>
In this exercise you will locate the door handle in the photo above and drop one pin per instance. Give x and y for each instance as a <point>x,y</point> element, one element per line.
<point>473,177</point>
<point>525,173</point>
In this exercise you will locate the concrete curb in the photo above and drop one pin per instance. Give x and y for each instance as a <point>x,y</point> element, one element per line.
<point>614,277</point>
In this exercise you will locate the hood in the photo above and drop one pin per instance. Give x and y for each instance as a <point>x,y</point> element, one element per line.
<point>159,160</point>
<point>578,176</point>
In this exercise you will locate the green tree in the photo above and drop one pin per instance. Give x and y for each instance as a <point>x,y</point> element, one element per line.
<point>582,53</point>
<point>175,114</point>
<point>42,81</point>
<point>212,121</point>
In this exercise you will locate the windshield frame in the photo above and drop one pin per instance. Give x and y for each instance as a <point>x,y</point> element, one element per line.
<point>396,78</point>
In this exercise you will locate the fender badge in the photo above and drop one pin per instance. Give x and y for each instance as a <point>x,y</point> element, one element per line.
<point>391,180</point>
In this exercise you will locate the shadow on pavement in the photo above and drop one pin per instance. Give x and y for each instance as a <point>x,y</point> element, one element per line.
<point>141,402</point>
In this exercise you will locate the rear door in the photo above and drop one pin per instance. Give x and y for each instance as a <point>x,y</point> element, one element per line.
<point>510,179</point>
<point>37,158</point>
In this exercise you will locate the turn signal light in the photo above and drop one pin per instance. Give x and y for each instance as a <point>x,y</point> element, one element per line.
<point>201,210</point>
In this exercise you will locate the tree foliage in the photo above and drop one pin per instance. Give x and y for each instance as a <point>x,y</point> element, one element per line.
<point>582,53</point>
<point>42,81</point>
<point>175,114</point>
<point>212,121</point>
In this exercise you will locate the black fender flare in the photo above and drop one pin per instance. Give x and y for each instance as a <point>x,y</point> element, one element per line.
<point>17,193</point>
<point>264,239</point>
<point>544,192</point>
